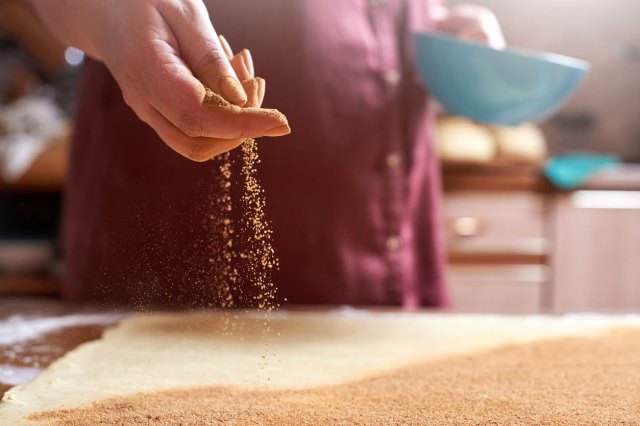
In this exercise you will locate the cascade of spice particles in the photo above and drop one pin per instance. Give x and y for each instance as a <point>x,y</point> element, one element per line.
<point>225,277</point>
<point>259,258</point>
<point>244,258</point>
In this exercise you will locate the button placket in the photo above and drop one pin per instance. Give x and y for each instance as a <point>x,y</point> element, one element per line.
<point>384,22</point>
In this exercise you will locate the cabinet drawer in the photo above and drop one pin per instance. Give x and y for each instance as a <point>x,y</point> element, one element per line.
<point>505,297</point>
<point>597,251</point>
<point>486,223</point>
<point>508,288</point>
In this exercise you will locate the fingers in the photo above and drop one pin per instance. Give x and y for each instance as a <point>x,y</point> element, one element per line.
<point>248,61</point>
<point>225,46</point>
<point>470,22</point>
<point>251,87</point>
<point>241,67</point>
<point>180,98</point>
<point>242,64</point>
<point>166,78</point>
<point>195,149</point>
<point>474,33</point>
<point>251,117</point>
<point>202,50</point>
<point>261,90</point>
<point>439,13</point>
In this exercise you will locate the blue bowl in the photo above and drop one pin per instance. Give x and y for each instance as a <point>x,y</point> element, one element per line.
<point>504,87</point>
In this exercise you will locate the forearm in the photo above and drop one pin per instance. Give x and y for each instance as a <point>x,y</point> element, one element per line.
<point>67,20</point>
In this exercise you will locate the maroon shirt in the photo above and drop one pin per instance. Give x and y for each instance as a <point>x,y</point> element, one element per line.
<point>353,192</point>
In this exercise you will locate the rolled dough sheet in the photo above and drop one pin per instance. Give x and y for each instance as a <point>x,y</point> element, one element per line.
<point>161,351</point>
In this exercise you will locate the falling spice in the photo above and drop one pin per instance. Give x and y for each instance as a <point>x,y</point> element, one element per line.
<point>243,255</point>
<point>243,258</point>
<point>225,274</point>
<point>259,256</point>
<point>259,259</point>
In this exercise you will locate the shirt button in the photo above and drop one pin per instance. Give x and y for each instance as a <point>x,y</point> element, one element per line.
<point>393,243</point>
<point>393,160</point>
<point>392,77</point>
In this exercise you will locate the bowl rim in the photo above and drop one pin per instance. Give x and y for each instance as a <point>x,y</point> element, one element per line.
<point>555,58</point>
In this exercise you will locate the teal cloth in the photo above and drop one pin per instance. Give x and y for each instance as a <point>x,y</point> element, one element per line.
<point>572,170</point>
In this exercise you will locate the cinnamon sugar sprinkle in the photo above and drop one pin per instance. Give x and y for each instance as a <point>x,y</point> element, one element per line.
<point>569,381</point>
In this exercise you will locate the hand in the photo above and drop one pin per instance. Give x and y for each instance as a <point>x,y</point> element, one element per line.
<point>254,87</point>
<point>470,22</point>
<point>165,55</point>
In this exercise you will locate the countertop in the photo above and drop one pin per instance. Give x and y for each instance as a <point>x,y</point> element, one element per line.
<point>507,176</point>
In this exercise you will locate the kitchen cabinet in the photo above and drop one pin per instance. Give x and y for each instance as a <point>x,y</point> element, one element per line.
<point>498,288</point>
<point>29,223</point>
<point>516,244</point>
<point>497,250</point>
<point>596,259</point>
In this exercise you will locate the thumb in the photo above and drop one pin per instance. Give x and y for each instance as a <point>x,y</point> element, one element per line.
<point>200,48</point>
<point>439,13</point>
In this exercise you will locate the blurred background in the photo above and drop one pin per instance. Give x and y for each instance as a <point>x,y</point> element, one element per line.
<point>538,218</point>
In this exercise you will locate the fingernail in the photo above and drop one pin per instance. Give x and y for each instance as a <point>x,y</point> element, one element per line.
<point>278,131</point>
<point>232,91</point>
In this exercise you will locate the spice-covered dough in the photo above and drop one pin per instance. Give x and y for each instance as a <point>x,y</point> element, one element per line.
<point>165,351</point>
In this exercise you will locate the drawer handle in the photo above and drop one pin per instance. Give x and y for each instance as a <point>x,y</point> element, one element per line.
<point>467,226</point>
